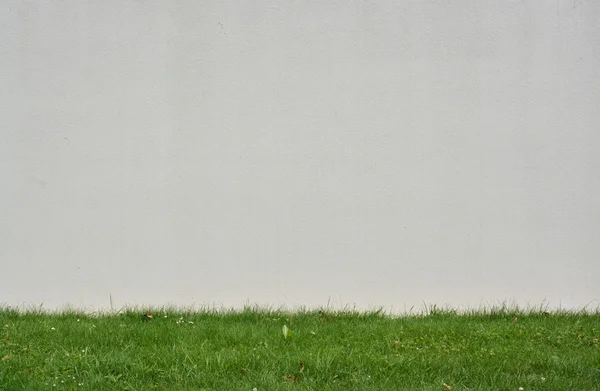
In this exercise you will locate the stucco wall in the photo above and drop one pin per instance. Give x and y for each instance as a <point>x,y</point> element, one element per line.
<point>361,153</point>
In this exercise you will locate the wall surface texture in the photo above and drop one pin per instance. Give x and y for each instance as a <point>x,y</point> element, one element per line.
<point>284,152</point>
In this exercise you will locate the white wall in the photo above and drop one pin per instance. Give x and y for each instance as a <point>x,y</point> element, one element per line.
<point>298,152</point>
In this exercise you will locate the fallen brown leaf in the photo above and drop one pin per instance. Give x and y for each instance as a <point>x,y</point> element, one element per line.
<point>290,378</point>
<point>5,358</point>
<point>148,315</point>
<point>446,387</point>
<point>515,319</point>
<point>301,367</point>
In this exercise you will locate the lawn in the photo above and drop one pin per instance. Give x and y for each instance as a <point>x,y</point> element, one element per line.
<point>495,349</point>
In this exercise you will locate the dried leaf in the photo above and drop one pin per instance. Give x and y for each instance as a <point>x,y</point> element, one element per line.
<point>290,378</point>
<point>148,315</point>
<point>5,358</point>
<point>514,320</point>
<point>446,387</point>
<point>301,367</point>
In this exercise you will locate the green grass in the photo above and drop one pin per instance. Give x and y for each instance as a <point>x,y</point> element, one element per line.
<point>322,350</point>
